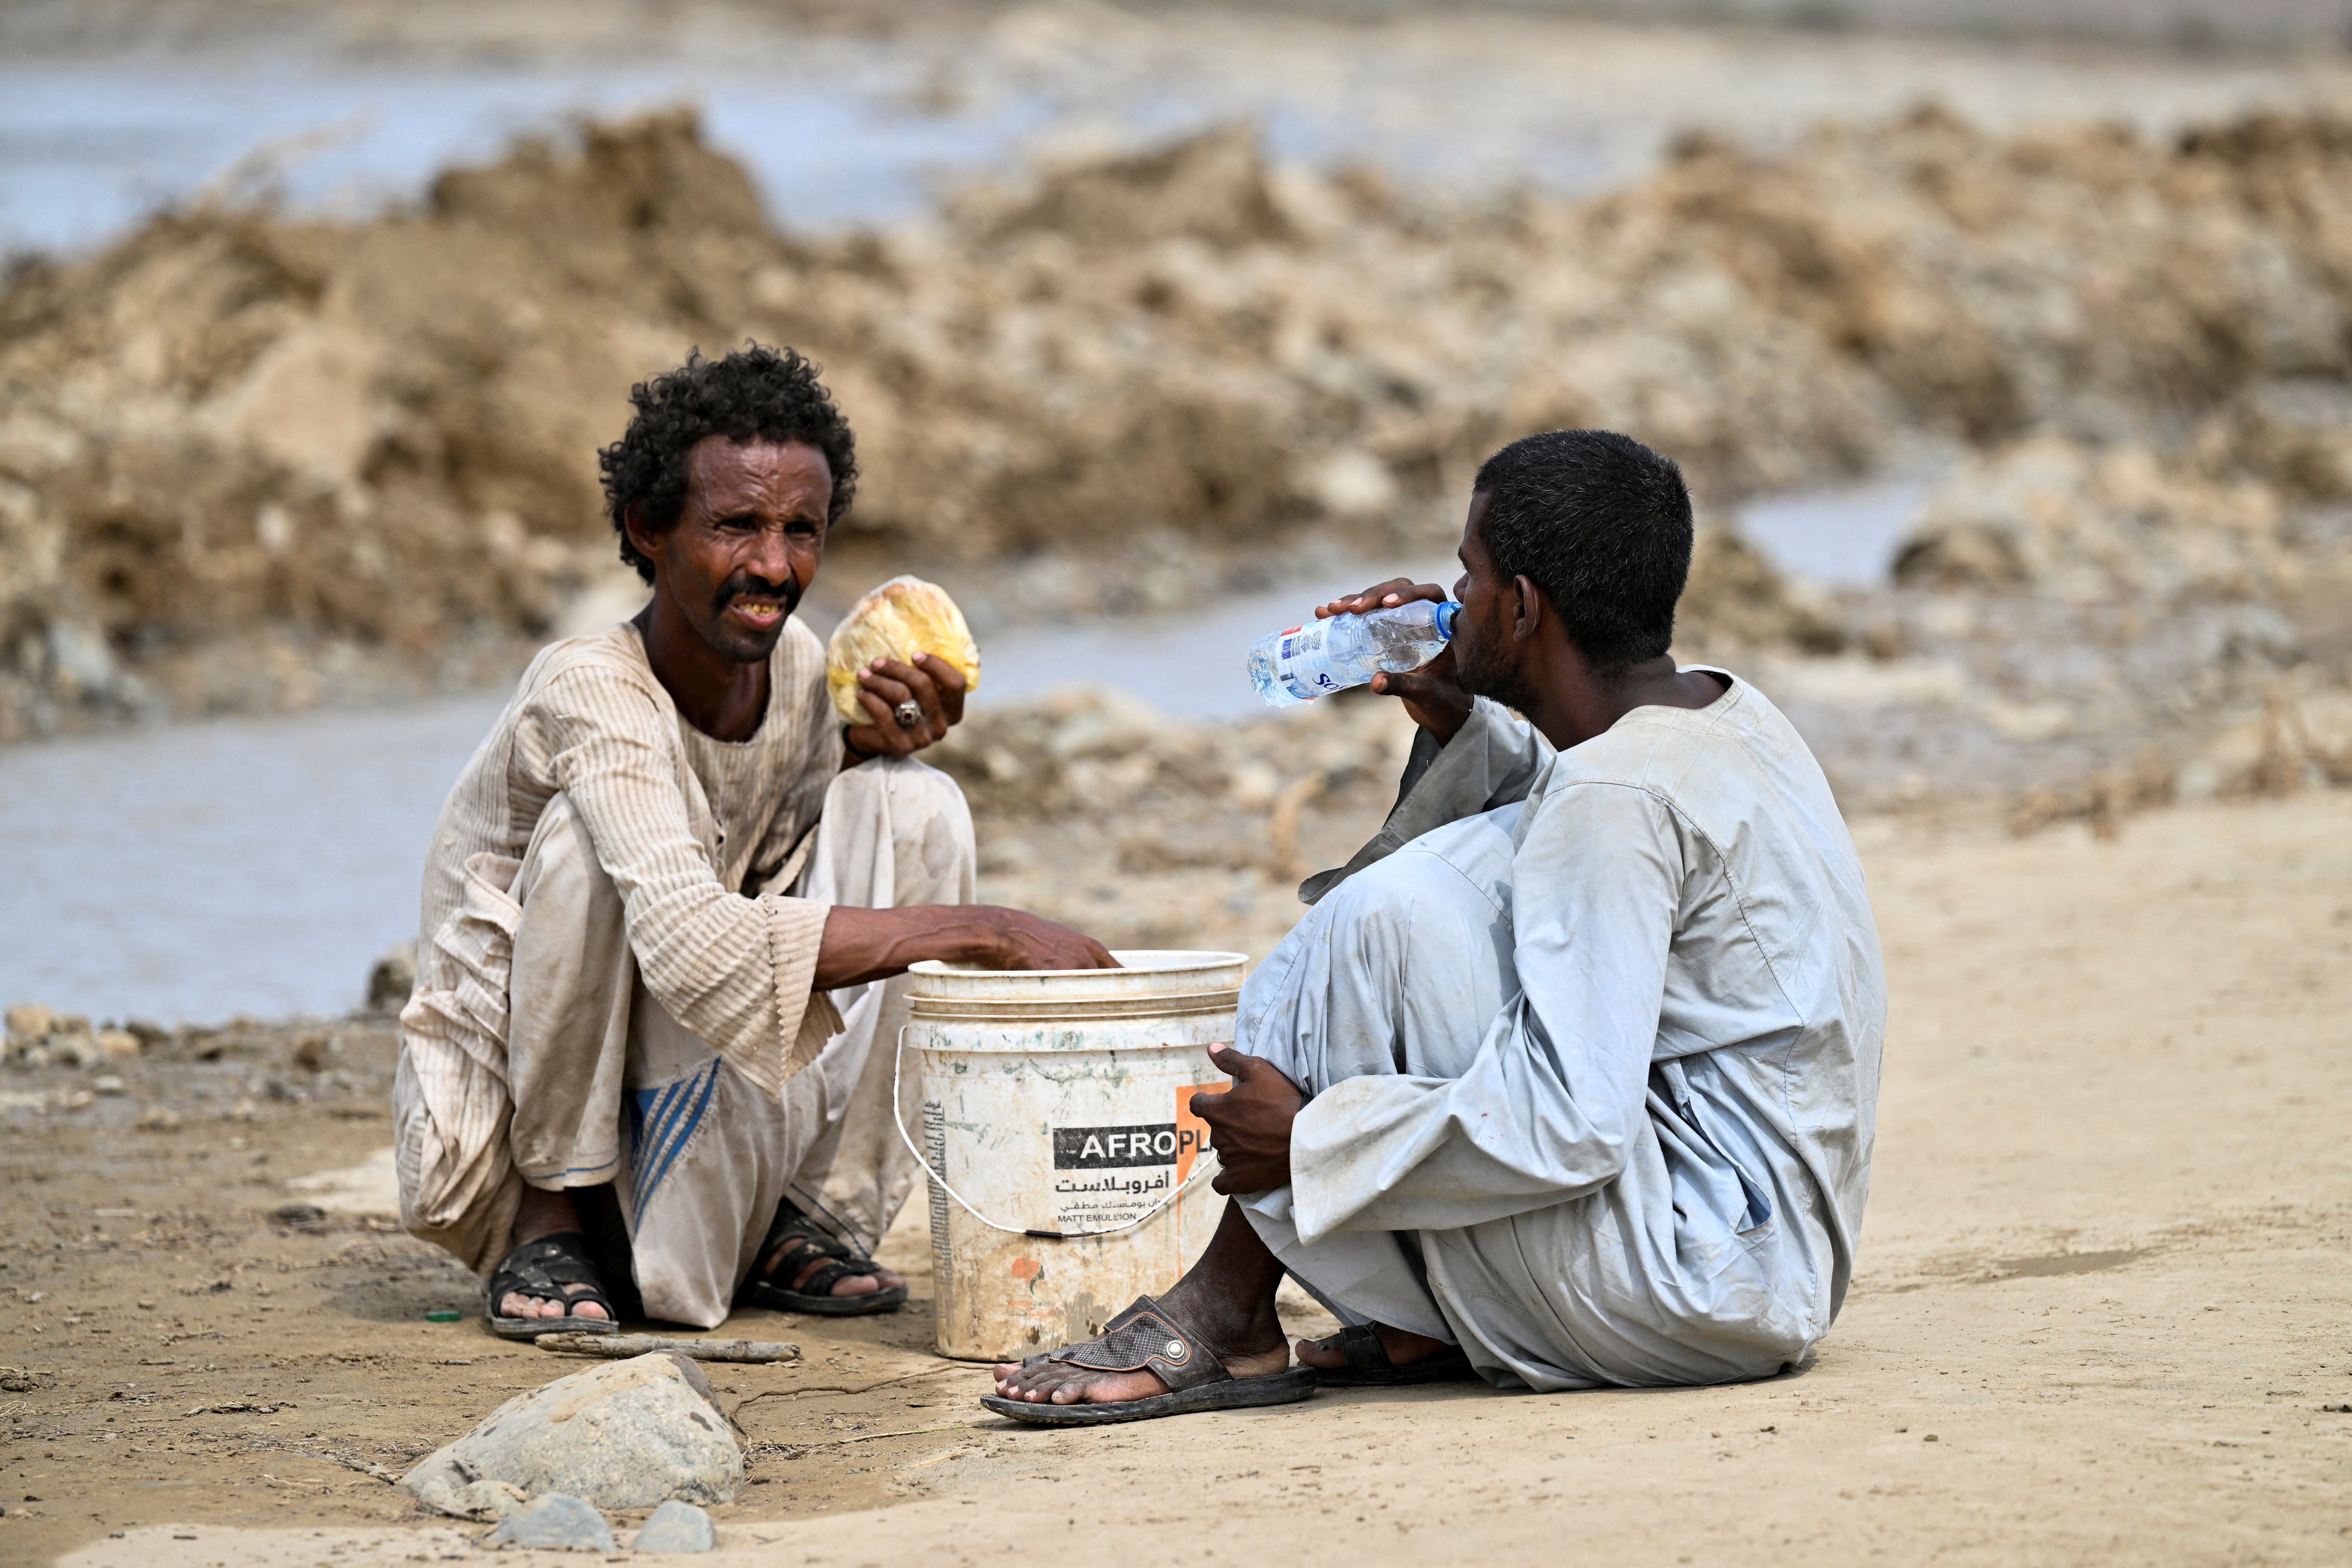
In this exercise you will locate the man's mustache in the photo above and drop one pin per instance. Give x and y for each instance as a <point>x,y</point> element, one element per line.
<point>743,583</point>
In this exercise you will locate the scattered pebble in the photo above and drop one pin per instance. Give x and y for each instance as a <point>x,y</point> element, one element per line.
<point>675,1527</point>
<point>556,1520</point>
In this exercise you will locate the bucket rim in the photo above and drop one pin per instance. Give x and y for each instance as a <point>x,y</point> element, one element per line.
<point>1147,972</point>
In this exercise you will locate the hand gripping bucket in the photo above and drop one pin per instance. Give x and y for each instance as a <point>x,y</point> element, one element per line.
<point>1068,1174</point>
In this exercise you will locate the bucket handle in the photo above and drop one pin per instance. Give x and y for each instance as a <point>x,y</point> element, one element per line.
<point>897,1070</point>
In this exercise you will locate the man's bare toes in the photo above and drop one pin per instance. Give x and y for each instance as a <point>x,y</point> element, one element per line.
<point>1036,1383</point>
<point>855,1285</point>
<point>1054,1383</point>
<point>1109,1388</point>
<point>589,1310</point>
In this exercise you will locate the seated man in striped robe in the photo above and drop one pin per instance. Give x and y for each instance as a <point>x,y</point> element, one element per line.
<point>665,903</point>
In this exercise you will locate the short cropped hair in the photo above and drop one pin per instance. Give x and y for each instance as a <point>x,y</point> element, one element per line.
<point>754,394</point>
<point>1601,525</point>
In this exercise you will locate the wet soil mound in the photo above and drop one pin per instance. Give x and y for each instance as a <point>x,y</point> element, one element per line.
<point>377,438</point>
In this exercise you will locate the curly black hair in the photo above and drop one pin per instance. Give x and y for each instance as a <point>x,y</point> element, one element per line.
<point>755,394</point>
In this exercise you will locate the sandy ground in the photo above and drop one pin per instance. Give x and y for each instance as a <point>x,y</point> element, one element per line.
<point>2100,1313</point>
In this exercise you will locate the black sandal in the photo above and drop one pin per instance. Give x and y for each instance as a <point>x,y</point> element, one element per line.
<point>1148,1337</point>
<point>1369,1365</point>
<point>794,1241</point>
<point>542,1269</point>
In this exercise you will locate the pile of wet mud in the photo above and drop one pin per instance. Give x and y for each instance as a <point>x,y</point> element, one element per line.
<point>241,453</point>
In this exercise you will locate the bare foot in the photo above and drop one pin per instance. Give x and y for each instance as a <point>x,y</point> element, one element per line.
<point>1402,1348</point>
<point>1055,1383</point>
<point>515,1304</point>
<point>1246,1340</point>
<point>545,1214</point>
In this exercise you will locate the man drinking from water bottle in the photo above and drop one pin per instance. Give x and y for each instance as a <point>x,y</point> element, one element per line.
<point>1569,1077</point>
<point>665,903</point>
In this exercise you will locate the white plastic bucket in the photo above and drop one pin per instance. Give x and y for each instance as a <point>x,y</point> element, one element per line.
<point>1068,1174</point>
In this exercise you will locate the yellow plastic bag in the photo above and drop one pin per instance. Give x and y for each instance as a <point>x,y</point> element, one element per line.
<point>901,619</point>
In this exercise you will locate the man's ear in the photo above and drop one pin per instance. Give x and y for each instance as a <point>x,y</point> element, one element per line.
<point>1527,608</point>
<point>646,545</point>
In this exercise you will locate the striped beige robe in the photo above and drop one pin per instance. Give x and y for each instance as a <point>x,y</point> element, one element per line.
<point>683,825</point>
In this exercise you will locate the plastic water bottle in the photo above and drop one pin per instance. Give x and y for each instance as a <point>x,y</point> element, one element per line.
<point>1322,657</point>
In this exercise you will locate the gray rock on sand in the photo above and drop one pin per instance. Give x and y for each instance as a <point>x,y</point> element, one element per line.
<point>392,978</point>
<point>675,1527</point>
<point>555,1520</point>
<point>456,1488</point>
<point>629,1434</point>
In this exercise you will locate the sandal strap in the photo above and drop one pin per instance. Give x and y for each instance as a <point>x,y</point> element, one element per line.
<point>1147,1336</point>
<point>821,1279</point>
<point>803,1248</point>
<point>795,1237</point>
<point>544,1266</point>
<point>1360,1345</point>
<point>798,1250</point>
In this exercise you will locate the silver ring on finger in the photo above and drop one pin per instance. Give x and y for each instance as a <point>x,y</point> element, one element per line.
<point>909,714</point>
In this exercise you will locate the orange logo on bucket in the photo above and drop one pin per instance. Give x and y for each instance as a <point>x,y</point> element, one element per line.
<point>1191,1133</point>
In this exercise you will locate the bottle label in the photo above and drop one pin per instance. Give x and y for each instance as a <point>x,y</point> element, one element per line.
<point>1298,661</point>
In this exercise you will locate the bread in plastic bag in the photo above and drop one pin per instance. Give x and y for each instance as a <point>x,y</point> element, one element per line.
<point>902,620</point>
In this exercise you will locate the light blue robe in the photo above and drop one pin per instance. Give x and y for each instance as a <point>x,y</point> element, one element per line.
<point>1593,1058</point>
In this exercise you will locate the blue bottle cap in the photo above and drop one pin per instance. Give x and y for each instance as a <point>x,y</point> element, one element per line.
<point>1445,614</point>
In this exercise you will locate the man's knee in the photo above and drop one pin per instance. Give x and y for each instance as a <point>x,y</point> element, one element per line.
<point>1400,968</point>
<point>901,785</point>
<point>1420,901</point>
<point>921,815</point>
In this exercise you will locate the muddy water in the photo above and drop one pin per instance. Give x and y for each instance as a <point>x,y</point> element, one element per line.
<point>844,127</point>
<point>88,147</point>
<point>1846,538</point>
<point>191,871</point>
<point>188,872</point>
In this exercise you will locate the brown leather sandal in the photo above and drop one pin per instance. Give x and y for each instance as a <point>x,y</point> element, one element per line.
<point>1369,1365</point>
<point>794,1241</point>
<point>1148,1337</point>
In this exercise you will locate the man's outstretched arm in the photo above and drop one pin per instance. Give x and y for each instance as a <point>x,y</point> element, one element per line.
<point>875,944</point>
